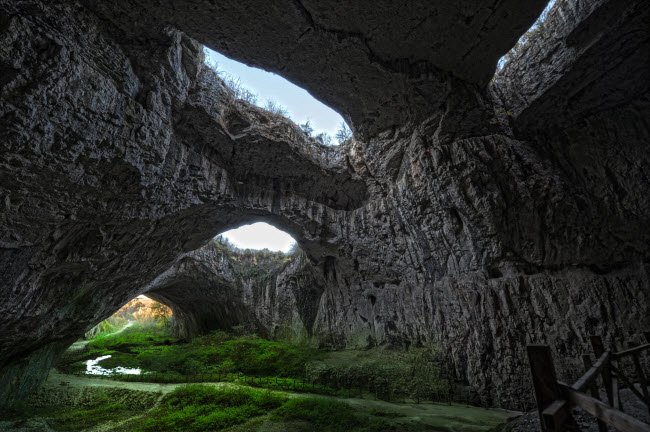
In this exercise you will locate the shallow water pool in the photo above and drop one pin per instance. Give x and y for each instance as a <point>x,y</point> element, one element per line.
<point>93,368</point>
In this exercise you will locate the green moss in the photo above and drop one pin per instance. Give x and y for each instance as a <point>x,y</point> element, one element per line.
<point>83,419</point>
<point>136,335</point>
<point>416,375</point>
<point>66,409</point>
<point>154,350</point>
<point>328,415</point>
<point>205,408</point>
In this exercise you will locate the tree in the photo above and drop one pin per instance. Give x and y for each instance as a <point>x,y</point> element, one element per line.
<point>161,313</point>
<point>307,128</point>
<point>344,133</point>
<point>275,108</point>
<point>324,138</point>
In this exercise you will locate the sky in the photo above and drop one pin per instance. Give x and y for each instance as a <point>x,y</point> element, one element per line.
<point>542,16</point>
<point>260,235</point>
<point>302,107</point>
<point>300,104</point>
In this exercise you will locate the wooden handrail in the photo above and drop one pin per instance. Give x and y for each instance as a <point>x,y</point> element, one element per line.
<point>556,414</point>
<point>631,351</point>
<point>589,376</point>
<point>629,384</point>
<point>609,415</point>
<point>555,398</point>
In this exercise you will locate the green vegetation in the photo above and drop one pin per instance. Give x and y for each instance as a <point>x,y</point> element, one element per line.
<point>154,349</point>
<point>416,375</point>
<point>83,419</point>
<point>139,334</point>
<point>86,409</point>
<point>247,359</point>
<point>218,356</point>
<point>205,408</point>
<point>327,415</point>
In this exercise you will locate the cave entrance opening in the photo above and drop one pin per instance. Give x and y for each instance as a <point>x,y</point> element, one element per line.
<point>109,343</point>
<point>189,323</point>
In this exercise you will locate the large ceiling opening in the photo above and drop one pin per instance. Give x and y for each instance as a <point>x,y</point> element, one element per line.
<point>274,93</point>
<point>258,236</point>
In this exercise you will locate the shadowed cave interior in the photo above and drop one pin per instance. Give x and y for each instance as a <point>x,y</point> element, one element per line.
<point>466,215</point>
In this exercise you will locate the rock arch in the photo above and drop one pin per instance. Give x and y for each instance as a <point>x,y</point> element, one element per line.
<point>465,214</point>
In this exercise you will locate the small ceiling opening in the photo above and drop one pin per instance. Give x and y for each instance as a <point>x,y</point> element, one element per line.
<point>258,236</point>
<point>274,93</point>
<point>538,26</point>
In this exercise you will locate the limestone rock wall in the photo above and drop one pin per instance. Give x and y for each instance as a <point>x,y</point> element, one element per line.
<point>477,217</point>
<point>103,190</point>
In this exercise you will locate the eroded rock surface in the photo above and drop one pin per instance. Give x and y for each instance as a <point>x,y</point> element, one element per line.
<point>477,217</point>
<point>218,288</point>
<point>378,63</point>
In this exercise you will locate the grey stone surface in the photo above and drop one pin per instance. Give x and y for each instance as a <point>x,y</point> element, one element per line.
<point>379,63</point>
<point>218,288</point>
<point>474,217</point>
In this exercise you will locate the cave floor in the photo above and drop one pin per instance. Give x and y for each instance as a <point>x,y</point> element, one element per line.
<point>62,389</point>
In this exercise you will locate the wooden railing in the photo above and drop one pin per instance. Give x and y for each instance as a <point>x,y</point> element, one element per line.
<point>555,399</point>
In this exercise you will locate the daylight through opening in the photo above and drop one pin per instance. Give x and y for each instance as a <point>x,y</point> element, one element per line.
<point>258,236</point>
<point>276,94</point>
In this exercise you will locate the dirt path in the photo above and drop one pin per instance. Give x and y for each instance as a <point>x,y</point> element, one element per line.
<point>81,344</point>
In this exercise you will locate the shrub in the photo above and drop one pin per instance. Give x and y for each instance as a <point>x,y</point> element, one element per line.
<point>324,139</point>
<point>275,108</point>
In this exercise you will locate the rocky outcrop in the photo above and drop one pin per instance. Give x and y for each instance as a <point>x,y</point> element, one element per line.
<point>463,214</point>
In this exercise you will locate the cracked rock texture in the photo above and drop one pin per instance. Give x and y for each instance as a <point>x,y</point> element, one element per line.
<point>477,216</point>
<point>218,288</point>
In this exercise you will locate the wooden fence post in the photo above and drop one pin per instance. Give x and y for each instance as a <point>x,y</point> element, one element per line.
<point>599,349</point>
<point>642,379</point>
<point>586,360</point>
<point>547,390</point>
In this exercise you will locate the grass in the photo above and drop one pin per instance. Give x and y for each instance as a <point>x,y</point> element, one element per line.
<point>64,410</point>
<point>83,419</point>
<point>327,415</point>
<point>138,334</point>
<point>155,350</point>
<point>218,356</point>
<point>204,408</point>
<point>197,408</point>
<point>248,359</point>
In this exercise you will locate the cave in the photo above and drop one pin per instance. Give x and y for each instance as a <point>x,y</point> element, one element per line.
<point>476,210</point>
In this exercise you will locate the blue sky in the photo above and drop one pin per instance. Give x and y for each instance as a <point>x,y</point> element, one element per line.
<point>300,104</point>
